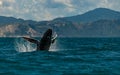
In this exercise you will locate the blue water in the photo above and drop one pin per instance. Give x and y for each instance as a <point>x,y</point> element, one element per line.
<point>68,56</point>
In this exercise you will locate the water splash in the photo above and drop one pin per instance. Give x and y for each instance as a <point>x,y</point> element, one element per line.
<point>54,46</point>
<point>24,46</point>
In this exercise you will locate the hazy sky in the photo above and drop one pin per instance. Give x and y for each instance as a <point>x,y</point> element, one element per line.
<point>50,9</point>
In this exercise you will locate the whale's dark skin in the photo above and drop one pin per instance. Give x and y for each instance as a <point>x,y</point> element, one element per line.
<point>45,42</point>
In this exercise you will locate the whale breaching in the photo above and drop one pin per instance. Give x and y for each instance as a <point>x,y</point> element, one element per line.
<point>45,42</point>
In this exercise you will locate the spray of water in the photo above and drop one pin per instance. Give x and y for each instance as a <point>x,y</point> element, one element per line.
<point>22,45</point>
<point>53,47</point>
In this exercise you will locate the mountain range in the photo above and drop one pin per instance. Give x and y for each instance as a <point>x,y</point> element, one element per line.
<point>100,22</point>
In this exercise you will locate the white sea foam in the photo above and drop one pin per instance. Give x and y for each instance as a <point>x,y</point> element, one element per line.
<point>54,46</point>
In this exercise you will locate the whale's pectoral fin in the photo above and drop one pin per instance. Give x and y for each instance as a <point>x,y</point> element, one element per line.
<point>30,40</point>
<point>53,40</point>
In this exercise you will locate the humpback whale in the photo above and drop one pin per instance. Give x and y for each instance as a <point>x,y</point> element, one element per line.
<point>45,42</point>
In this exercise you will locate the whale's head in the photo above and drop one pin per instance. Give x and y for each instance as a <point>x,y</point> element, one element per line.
<point>48,34</point>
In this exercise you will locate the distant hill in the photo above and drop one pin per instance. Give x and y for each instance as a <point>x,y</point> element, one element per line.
<point>100,22</point>
<point>94,15</point>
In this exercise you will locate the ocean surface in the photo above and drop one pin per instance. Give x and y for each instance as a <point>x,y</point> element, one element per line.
<point>67,56</point>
